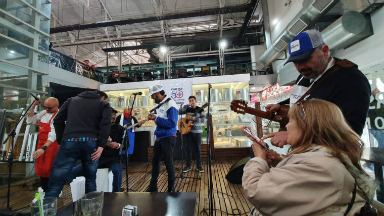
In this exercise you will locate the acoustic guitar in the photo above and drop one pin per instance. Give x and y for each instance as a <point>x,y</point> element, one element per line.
<point>280,116</point>
<point>185,125</point>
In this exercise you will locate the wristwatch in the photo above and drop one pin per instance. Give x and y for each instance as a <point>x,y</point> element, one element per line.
<point>44,147</point>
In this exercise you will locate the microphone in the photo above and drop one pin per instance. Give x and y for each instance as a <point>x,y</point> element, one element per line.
<point>36,98</point>
<point>138,93</point>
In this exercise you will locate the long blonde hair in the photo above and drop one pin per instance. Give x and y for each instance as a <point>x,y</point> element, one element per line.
<point>322,123</point>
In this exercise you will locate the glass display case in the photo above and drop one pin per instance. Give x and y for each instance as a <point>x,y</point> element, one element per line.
<point>124,98</point>
<point>227,125</point>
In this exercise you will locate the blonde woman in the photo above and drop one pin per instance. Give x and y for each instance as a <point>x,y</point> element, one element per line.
<point>320,171</point>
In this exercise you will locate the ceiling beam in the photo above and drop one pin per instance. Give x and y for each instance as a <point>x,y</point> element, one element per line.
<point>205,12</point>
<point>248,17</point>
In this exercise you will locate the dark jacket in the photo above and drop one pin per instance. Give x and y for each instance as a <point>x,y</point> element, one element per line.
<point>111,156</point>
<point>349,89</point>
<point>85,115</point>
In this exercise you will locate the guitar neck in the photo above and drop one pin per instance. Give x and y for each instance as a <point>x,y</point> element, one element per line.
<point>256,112</point>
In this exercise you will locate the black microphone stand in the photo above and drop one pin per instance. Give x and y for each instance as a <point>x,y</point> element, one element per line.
<point>182,149</point>
<point>210,182</point>
<point>127,142</point>
<point>12,135</point>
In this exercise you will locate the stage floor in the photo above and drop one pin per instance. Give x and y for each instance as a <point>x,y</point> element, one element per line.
<point>228,198</point>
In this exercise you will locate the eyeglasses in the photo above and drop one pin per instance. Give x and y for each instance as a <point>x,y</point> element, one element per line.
<point>303,115</point>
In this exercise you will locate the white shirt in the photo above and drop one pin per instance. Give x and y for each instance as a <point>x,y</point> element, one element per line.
<point>44,119</point>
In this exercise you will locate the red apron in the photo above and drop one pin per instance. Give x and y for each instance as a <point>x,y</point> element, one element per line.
<point>45,161</point>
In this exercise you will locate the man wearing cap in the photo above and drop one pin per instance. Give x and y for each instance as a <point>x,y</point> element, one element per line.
<point>331,79</point>
<point>165,118</point>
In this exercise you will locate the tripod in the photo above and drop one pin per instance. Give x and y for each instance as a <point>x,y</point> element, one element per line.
<point>182,149</point>
<point>11,135</point>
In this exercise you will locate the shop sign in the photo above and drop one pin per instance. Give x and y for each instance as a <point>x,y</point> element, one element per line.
<point>178,89</point>
<point>255,98</point>
<point>274,91</point>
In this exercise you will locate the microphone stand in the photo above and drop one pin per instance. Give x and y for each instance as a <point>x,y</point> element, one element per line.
<point>127,142</point>
<point>210,182</point>
<point>11,135</point>
<point>182,149</point>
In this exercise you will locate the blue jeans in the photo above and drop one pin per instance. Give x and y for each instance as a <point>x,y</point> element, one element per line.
<point>165,145</point>
<point>68,154</point>
<point>116,169</point>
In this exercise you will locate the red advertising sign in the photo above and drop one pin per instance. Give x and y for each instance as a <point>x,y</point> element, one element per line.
<point>275,91</point>
<point>255,98</point>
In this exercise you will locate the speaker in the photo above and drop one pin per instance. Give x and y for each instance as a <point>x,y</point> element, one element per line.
<point>235,173</point>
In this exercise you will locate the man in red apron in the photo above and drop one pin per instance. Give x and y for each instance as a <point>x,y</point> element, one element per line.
<point>47,146</point>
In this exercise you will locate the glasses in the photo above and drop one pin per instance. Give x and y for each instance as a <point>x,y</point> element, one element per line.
<point>303,115</point>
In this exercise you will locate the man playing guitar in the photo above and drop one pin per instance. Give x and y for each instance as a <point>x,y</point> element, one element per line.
<point>194,137</point>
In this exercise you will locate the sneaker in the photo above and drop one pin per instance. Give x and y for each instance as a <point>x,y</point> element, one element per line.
<point>200,169</point>
<point>186,169</point>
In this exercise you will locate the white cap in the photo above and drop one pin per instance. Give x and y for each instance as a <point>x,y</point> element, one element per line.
<point>154,89</point>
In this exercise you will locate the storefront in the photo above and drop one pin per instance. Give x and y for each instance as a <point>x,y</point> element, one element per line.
<point>227,133</point>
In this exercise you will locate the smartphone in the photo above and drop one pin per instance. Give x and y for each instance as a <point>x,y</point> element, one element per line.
<point>255,138</point>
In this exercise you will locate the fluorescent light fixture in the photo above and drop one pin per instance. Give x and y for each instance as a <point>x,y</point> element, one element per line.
<point>223,44</point>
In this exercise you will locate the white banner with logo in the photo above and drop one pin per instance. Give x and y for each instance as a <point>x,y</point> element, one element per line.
<point>178,89</point>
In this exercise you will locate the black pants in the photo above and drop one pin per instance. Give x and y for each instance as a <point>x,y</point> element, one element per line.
<point>163,146</point>
<point>193,144</point>
<point>44,183</point>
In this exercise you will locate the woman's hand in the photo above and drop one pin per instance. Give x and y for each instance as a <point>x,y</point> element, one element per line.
<point>259,151</point>
<point>273,158</point>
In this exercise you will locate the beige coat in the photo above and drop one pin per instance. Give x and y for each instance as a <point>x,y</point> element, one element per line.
<point>311,183</point>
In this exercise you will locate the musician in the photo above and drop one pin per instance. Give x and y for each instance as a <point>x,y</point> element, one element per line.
<point>347,87</point>
<point>123,121</point>
<point>194,137</point>
<point>47,146</point>
<point>165,118</point>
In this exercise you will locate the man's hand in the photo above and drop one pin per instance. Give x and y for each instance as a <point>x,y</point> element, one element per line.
<point>141,123</point>
<point>259,151</point>
<point>279,139</point>
<point>113,145</point>
<point>96,155</point>
<point>38,153</point>
<point>151,117</point>
<point>273,107</point>
<point>36,102</point>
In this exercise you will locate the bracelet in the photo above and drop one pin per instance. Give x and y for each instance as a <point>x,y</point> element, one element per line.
<point>44,147</point>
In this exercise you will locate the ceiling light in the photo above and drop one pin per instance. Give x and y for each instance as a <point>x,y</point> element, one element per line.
<point>163,49</point>
<point>223,44</point>
<point>275,21</point>
<point>12,51</point>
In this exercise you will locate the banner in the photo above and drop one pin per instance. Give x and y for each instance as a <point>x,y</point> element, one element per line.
<point>275,91</point>
<point>178,89</point>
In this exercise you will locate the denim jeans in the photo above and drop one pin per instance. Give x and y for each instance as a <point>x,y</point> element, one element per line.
<point>116,169</point>
<point>193,144</point>
<point>166,146</point>
<point>68,154</point>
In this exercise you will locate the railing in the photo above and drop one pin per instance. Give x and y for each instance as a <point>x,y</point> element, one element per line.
<point>114,76</point>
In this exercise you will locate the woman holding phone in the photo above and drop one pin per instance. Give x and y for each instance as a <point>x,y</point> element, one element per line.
<point>320,175</point>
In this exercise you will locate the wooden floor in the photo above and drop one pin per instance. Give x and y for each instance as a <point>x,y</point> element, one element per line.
<point>228,198</point>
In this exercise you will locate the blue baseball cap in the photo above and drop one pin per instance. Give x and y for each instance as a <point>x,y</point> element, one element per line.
<point>303,45</point>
